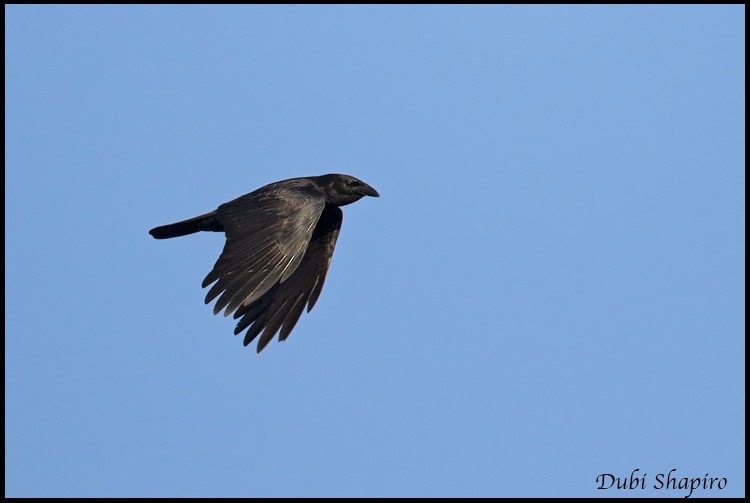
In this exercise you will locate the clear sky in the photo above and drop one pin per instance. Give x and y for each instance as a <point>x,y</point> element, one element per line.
<point>551,286</point>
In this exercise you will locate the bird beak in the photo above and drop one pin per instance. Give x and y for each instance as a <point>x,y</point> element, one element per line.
<point>366,190</point>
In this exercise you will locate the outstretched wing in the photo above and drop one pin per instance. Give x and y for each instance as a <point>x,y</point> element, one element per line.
<point>282,305</point>
<point>267,234</point>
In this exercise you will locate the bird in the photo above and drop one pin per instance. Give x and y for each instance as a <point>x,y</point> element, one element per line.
<point>279,244</point>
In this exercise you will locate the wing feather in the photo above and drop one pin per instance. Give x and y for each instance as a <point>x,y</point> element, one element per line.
<point>281,307</point>
<point>268,232</point>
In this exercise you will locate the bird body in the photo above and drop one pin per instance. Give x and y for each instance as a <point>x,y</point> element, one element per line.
<point>279,243</point>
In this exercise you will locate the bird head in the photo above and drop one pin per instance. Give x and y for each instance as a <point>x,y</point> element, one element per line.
<point>345,189</point>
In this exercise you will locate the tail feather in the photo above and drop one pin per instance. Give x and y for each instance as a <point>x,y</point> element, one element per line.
<point>205,222</point>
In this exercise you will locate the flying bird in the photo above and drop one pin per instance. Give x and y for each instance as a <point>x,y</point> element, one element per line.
<point>279,244</point>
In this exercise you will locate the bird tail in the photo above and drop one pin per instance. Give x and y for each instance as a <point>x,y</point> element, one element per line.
<point>205,222</point>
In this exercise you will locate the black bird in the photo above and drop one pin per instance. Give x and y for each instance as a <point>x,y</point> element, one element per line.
<point>280,241</point>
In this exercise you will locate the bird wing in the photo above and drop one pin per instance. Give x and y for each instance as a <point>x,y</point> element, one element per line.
<point>267,234</point>
<point>282,305</point>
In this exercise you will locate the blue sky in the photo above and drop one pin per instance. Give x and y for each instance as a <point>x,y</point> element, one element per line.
<point>551,286</point>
